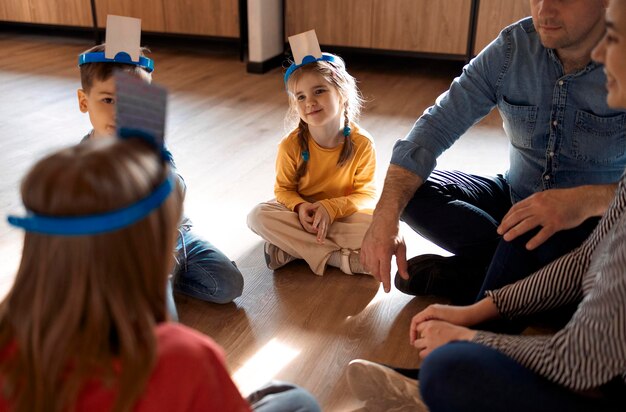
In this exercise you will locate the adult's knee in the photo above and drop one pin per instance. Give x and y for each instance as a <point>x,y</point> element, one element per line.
<point>446,375</point>
<point>434,385</point>
<point>424,200</point>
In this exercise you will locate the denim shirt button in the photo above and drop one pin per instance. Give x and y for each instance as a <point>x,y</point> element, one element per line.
<point>554,123</point>
<point>551,154</point>
<point>561,82</point>
<point>546,177</point>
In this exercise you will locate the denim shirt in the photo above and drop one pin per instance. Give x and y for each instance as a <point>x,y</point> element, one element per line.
<point>561,131</point>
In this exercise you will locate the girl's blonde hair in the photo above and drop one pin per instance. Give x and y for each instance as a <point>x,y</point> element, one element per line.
<point>85,307</point>
<point>336,75</point>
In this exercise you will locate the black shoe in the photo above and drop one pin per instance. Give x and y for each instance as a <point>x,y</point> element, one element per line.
<point>451,277</point>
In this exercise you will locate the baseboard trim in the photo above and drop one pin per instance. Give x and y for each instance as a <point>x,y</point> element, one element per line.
<point>265,66</point>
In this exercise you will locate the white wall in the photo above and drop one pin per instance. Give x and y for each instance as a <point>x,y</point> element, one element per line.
<point>265,29</point>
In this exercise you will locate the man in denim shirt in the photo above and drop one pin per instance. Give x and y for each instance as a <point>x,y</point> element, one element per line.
<point>567,148</point>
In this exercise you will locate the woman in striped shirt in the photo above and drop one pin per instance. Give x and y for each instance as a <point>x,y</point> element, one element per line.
<point>580,368</point>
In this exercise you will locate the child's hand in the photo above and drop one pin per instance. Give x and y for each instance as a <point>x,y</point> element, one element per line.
<point>321,221</point>
<point>306,214</point>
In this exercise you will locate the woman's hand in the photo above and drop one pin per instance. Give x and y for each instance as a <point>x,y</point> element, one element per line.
<point>321,222</point>
<point>456,315</point>
<point>432,334</point>
<point>476,313</point>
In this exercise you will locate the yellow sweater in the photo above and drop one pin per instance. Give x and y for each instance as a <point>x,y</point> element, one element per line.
<point>341,190</point>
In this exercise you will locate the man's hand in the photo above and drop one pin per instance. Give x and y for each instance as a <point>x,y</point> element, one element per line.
<point>555,210</point>
<point>432,334</point>
<point>381,242</point>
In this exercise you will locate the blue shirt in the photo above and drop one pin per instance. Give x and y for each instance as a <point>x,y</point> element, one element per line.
<point>561,131</point>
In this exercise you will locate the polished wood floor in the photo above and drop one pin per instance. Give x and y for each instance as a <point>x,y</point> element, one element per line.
<point>223,128</point>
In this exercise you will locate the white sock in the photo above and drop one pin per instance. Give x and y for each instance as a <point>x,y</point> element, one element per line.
<point>347,260</point>
<point>335,259</point>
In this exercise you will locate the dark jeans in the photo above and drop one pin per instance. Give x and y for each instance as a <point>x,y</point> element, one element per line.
<point>461,212</point>
<point>465,376</point>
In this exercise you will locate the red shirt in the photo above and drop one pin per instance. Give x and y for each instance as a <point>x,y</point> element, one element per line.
<point>190,375</point>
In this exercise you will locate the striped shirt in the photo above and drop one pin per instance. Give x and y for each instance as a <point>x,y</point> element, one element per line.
<point>591,349</point>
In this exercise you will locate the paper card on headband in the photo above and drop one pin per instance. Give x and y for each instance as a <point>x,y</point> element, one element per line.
<point>141,109</point>
<point>123,35</point>
<point>305,44</point>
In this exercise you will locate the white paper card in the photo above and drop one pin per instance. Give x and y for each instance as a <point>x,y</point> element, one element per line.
<point>305,44</point>
<point>123,35</point>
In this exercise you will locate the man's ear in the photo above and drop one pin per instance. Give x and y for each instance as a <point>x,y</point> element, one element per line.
<point>82,101</point>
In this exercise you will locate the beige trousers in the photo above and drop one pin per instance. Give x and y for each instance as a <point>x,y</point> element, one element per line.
<point>281,227</point>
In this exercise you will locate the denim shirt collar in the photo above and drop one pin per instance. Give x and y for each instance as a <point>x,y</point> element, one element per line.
<point>592,65</point>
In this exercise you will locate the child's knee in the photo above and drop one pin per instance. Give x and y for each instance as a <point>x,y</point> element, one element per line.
<point>235,283</point>
<point>229,283</point>
<point>258,217</point>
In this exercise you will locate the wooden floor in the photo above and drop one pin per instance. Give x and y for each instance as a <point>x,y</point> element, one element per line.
<point>223,129</point>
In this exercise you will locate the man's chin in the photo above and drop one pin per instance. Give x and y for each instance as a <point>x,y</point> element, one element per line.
<point>550,42</point>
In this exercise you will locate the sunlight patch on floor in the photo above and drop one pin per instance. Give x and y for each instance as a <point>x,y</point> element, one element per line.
<point>264,365</point>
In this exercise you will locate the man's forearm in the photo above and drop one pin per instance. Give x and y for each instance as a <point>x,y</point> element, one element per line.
<point>600,197</point>
<point>400,186</point>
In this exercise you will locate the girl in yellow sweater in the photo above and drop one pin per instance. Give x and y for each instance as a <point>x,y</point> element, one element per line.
<point>324,173</point>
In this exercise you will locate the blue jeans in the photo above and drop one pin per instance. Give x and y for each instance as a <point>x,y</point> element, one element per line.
<point>203,272</point>
<point>465,376</point>
<point>461,212</point>
<point>282,397</point>
<point>169,301</point>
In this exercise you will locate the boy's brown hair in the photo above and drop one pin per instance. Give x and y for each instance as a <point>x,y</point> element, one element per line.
<point>102,71</point>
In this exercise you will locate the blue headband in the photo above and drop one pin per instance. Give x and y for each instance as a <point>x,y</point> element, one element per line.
<point>121,57</point>
<point>327,57</point>
<point>128,133</point>
<point>99,223</point>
